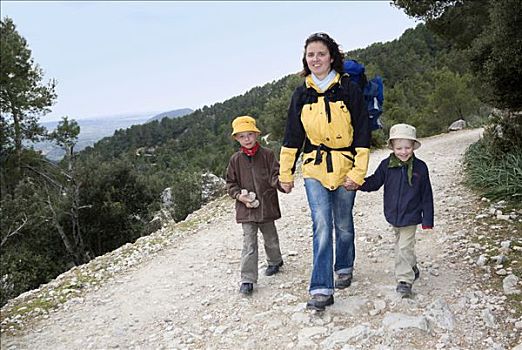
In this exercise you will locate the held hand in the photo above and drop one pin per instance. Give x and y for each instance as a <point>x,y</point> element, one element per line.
<point>254,204</point>
<point>287,186</point>
<point>350,185</point>
<point>246,197</point>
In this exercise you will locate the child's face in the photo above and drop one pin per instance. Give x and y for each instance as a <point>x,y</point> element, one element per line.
<point>402,148</point>
<point>246,139</point>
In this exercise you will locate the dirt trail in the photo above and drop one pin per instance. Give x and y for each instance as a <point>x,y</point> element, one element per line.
<point>186,295</point>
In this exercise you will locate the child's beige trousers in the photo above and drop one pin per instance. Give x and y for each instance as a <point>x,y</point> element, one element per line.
<point>405,257</point>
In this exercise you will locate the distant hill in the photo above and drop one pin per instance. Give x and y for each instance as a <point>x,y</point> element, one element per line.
<point>171,114</point>
<point>96,128</point>
<point>91,130</point>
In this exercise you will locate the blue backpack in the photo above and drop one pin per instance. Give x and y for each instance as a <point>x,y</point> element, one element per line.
<point>372,89</point>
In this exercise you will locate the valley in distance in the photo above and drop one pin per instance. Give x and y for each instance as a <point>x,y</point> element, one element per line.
<point>94,129</point>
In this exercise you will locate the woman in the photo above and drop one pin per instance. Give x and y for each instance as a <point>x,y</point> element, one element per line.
<point>327,117</point>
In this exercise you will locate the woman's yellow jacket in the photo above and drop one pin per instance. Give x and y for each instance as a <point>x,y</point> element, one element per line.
<point>333,130</point>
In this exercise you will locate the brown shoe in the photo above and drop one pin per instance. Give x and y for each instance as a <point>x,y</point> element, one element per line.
<point>246,288</point>
<point>318,302</point>
<point>273,269</point>
<point>404,289</point>
<point>344,280</point>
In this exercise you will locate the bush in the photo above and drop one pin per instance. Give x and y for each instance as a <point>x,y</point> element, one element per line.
<point>503,133</point>
<point>379,138</point>
<point>496,176</point>
<point>494,164</point>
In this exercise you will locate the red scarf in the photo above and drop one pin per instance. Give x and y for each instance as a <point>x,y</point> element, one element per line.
<point>250,151</point>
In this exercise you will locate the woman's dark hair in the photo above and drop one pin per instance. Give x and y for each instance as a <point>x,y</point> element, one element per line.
<point>333,48</point>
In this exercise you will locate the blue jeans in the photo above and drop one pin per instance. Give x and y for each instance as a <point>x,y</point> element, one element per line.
<point>330,209</point>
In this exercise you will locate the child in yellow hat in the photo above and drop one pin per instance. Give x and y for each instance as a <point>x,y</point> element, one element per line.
<point>253,180</point>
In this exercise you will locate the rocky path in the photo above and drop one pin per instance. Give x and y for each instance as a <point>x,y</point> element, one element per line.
<point>185,295</point>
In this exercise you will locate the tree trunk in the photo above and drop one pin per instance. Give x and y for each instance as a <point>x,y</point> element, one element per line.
<point>75,222</point>
<point>17,120</point>
<point>69,246</point>
<point>79,257</point>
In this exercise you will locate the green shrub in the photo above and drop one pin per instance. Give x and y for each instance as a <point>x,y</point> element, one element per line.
<point>503,132</point>
<point>494,164</point>
<point>379,138</point>
<point>496,176</point>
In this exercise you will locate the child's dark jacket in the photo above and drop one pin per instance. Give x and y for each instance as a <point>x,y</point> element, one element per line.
<point>258,174</point>
<point>404,205</point>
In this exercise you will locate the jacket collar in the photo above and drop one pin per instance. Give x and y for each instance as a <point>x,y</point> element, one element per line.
<point>311,84</point>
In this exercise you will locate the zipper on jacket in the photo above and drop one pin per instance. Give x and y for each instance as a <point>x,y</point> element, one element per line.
<point>254,181</point>
<point>327,108</point>
<point>399,196</point>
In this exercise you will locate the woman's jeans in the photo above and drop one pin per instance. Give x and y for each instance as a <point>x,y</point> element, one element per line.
<point>330,209</point>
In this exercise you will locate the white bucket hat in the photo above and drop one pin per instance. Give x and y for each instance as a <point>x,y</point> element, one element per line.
<point>403,131</point>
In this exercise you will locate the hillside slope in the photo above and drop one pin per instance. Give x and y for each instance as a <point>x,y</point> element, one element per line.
<point>178,288</point>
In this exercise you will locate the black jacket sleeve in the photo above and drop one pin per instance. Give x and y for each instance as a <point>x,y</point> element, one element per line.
<point>376,180</point>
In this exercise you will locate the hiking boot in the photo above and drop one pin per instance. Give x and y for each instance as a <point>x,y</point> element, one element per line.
<point>416,272</point>
<point>273,269</point>
<point>319,301</point>
<point>344,280</point>
<point>246,288</point>
<point>404,289</point>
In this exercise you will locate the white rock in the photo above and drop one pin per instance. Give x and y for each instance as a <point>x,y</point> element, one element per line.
<point>509,285</point>
<point>344,336</point>
<point>379,305</point>
<point>220,329</point>
<point>489,318</point>
<point>482,260</point>
<point>353,305</point>
<point>300,317</point>
<point>396,321</point>
<point>499,259</point>
<point>311,332</point>
<point>439,314</point>
<point>505,244</point>
<point>457,125</point>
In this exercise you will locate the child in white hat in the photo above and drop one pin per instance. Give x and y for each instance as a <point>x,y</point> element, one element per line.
<point>408,200</point>
<point>253,180</point>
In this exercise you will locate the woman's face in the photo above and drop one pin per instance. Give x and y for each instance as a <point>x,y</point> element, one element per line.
<point>318,59</point>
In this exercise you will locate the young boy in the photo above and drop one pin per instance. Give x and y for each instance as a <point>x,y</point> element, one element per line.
<point>253,179</point>
<point>408,200</point>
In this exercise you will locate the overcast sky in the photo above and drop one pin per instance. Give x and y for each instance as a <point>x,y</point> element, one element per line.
<point>113,58</point>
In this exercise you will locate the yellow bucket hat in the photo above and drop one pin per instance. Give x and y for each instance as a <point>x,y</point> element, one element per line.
<point>244,123</point>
